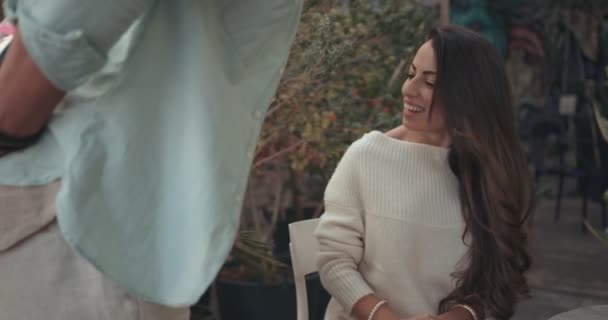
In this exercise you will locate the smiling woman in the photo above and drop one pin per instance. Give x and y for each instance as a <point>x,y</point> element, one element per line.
<point>427,221</point>
<point>422,115</point>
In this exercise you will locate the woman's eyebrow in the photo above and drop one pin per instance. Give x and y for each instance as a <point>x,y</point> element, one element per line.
<point>429,72</point>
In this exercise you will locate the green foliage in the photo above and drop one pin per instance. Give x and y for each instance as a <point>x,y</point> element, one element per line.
<point>342,80</point>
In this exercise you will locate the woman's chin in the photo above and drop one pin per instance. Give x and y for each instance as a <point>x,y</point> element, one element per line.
<point>409,119</point>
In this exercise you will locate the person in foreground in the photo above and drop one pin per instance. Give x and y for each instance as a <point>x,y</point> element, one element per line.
<point>127,130</point>
<point>427,221</point>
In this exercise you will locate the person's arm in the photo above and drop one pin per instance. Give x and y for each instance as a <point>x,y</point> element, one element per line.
<point>69,40</point>
<point>340,234</point>
<point>27,97</point>
<point>58,46</point>
<point>364,306</point>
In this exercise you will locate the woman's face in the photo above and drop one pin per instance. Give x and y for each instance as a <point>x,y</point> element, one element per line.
<point>417,91</point>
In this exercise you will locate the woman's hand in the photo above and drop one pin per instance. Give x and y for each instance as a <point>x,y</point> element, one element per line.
<point>455,314</point>
<point>363,308</point>
<point>423,317</point>
<point>452,314</point>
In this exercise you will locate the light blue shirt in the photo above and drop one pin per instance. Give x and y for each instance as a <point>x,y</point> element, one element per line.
<point>155,139</point>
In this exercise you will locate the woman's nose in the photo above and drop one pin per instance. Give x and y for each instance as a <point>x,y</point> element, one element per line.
<point>409,88</point>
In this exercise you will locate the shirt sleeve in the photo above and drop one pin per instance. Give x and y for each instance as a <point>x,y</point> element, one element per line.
<point>69,40</point>
<point>340,234</point>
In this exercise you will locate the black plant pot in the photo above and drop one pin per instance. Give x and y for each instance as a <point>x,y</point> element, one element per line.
<point>255,301</point>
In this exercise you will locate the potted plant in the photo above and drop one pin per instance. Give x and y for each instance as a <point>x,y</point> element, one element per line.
<point>254,280</point>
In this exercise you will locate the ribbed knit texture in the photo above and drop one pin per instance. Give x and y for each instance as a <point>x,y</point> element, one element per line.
<point>392,226</point>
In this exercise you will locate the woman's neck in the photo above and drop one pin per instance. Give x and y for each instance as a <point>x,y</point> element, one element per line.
<point>439,138</point>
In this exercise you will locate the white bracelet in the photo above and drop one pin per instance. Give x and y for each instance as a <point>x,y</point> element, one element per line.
<point>469,309</point>
<point>375,308</point>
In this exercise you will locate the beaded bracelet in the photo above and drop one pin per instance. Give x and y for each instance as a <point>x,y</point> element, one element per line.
<point>469,309</point>
<point>375,308</point>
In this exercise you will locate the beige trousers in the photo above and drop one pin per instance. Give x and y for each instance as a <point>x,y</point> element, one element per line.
<point>41,277</point>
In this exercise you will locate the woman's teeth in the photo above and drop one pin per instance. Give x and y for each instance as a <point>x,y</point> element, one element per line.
<point>411,108</point>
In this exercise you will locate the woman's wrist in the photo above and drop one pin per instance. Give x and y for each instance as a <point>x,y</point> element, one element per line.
<point>459,312</point>
<point>375,307</point>
<point>386,313</point>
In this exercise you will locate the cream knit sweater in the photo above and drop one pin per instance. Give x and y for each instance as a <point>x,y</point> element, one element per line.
<point>392,227</point>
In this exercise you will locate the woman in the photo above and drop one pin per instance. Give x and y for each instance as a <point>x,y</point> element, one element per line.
<point>427,221</point>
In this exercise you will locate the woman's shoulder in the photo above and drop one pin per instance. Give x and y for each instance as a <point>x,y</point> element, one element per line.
<point>392,145</point>
<point>364,144</point>
<point>375,141</point>
<point>369,146</point>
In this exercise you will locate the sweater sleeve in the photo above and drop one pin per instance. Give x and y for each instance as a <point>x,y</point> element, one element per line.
<point>341,232</point>
<point>69,40</point>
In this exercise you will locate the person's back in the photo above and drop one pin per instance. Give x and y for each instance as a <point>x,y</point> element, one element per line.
<point>149,195</point>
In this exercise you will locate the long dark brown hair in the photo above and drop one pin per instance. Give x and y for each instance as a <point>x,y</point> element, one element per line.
<point>496,187</point>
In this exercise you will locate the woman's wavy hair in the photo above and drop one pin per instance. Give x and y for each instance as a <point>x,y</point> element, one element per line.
<point>496,186</point>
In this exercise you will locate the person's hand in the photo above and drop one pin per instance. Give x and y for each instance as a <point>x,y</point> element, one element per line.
<point>455,314</point>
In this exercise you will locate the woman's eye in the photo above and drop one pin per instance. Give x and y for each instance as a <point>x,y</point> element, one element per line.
<point>410,75</point>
